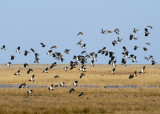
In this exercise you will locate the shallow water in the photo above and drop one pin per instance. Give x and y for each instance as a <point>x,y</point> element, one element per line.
<point>82,86</point>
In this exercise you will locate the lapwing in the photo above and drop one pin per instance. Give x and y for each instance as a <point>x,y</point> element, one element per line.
<point>32,50</point>
<point>71,90</point>
<point>153,62</point>
<point>146,32</point>
<point>117,31</point>
<point>25,65</point>
<point>148,43</point>
<point>131,76</point>
<point>3,47</point>
<point>145,49</point>
<point>32,78</point>
<point>80,42</point>
<point>114,43</point>
<point>82,74</point>
<point>8,64</point>
<point>49,52</point>
<point>92,63</point>
<point>62,84</point>
<point>12,57</point>
<point>113,70</point>
<point>18,50</point>
<point>55,47</point>
<point>75,83</point>
<point>26,52</point>
<point>65,68</point>
<point>57,76</point>
<point>67,51</point>
<point>30,91</point>
<point>150,27</point>
<point>17,73</point>
<point>142,71</point>
<point>50,87</point>
<point>23,85</point>
<point>108,31</point>
<point>131,36</point>
<point>45,70</point>
<point>53,64</point>
<point>135,47</point>
<point>103,31</point>
<point>119,40</point>
<point>80,33</point>
<point>29,70</point>
<point>82,93</point>
<point>84,46</point>
<point>36,60</point>
<point>43,45</point>
<point>135,30</point>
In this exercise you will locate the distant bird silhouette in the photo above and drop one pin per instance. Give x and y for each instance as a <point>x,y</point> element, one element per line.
<point>80,42</point>
<point>109,31</point>
<point>80,33</point>
<point>53,65</point>
<point>131,76</point>
<point>135,30</point>
<point>82,74</point>
<point>148,43</point>
<point>103,31</point>
<point>92,63</point>
<point>84,46</point>
<point>146,32</point>
<point>135,47</point>
<point>145,49</point>
<point>119,40</point>
<point>49,52</point>
<point>12,57</point>
<point>57,76</point>
<point>82,93</point>
<point>32,50</point>
<point>114,43</point>
<point>3,47</point>
<point>25,65</point>
<point>26,52</point>
<point>117,31</point>
<point>55,47</point>
<point>67,51</point>
<point>131,36</point>
<point>150,27</point>
<point>29,70</point>
<point>43,45</point>
<point>153,62</point>
<point>71,90</point>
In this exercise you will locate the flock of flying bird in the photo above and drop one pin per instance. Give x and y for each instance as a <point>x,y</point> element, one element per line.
<point>82,58</point>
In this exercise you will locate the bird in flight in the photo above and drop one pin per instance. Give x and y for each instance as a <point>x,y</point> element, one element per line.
<point>80,33</point>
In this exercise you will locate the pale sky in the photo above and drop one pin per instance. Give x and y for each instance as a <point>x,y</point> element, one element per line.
<point>26,23</point>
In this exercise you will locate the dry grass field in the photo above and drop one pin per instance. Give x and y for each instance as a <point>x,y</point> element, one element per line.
<point>96,100</point>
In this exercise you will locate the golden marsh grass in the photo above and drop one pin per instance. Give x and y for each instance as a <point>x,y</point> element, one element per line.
<point>95,100</point>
